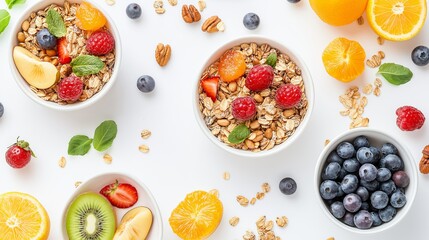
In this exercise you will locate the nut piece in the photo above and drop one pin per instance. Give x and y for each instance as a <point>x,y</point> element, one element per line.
<point>159,6</point>
<point>190,14</point>
<point>249,236</point>
<point>282,221</point>
<point>424,161</point>
<point>201,5</point>
<point>243,201</point>
<point>172,2</point>
<point>210,25</point>
<point>162,54</point>
<point>234,221</point>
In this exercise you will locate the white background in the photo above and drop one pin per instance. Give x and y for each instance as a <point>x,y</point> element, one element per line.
<point>181,158</point>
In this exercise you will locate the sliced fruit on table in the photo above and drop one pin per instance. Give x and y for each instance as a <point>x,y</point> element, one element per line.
<point>397,20</point>
<point>344,59</point>
<point>338,12</point>
<point>22,217</point>
<point>89,18</point>
<point>90,216</point>
<point>210,86</point>
<point>121,195</point>
<point>232,65</point>
<point>41,75</point>
<point>135,224</point>
<point>197,216</point>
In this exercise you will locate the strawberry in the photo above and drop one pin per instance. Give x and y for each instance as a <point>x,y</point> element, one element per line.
<point>63,53</point>
<point>19,154</point>
<point>210,86</point>
<point>121,195</point>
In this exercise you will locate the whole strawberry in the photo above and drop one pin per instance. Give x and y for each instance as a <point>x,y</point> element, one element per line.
<point>259,77</point>
<point>243,108</point>
<point>70,88</point>
<point>409,118</point>
<point>19,154</point>
<point>288,96</point>
<point>100,43</point>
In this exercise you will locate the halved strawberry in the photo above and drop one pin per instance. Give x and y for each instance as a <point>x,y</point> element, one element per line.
<point>210,86</point>
<point>63,54</point>
<point>121,195</point>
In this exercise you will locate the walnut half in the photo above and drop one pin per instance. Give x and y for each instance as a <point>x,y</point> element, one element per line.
<point>162,54</point>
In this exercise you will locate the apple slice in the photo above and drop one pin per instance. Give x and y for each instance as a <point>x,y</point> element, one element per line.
<point>135,224</point>
<point>41,75</point>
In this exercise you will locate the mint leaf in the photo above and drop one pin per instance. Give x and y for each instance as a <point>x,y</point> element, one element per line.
<point>271,60</point>
<point>79,145</point>
<point>4,19</point>
<point>56,25</point>
<point>11,3</point>
<point>395,74</point>
<point>104,135</point>
<point>86,65</point>
<point>239,134</point>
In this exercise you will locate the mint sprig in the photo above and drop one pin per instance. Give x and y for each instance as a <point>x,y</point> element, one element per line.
<point>395,74</point>
<point>4,19</point>
<point>239,134</point>
<point>79,145</point>
<point>56,25</point>
<point>86,65</point>
<point>271,60</point>
<point>11,3</point>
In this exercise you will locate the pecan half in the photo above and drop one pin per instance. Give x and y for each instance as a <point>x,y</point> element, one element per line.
<point>190,14</point>
<point>424,165</point>
<point>210,25</point>
<point>162,54</point>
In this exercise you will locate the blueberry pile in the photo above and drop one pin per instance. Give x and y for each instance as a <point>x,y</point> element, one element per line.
<point>364,186</point>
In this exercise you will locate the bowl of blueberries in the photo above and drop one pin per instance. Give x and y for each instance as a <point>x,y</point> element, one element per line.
<point>365,180</point>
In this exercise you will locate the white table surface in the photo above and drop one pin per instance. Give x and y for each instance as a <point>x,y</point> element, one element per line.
<point>182,159</point>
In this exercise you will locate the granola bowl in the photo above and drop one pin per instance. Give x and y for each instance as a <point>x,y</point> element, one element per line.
<point>41,56</point>
<point>145,199</point>
<point>271,128</point>
<point>388,184</point>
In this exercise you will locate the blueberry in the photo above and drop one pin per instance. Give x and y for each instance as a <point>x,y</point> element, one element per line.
<point>293,1</point>
<point>391,162</point>
<point>401,179</point>
<point>379,199</point>
<point>333,157</point>
<point>363,193</point>
<point>376,219</point>
<point>45,39</point>
<point>364,206</point>
<point>383,174</point>
<point>145,83</point>
<point>363,219</point>
<point>1,110</point>
<point>343,173</point>
<point>351,165</point>
<point>350,183</point>
<point>134,11</point>
<point>287,186</point>
<point>388,187</point>
<point>352,202</point>
<point>328,189</point>
<point>398,199</point>
<point>251,21</point>
<point>368,172</point>
<point>387,213</point>
<point>371,186</point>
<point>337,209</point>
<point>346,150</point>
<point>340,191</point>
<point>348,219</point>
<point>332,171</point>
<point>360,141</point>
<point>420,55</point>
<point>388,148</point>
<point>364,155</point>
<point>376,153</point>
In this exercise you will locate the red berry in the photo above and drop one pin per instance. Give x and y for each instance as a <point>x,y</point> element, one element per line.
<point>100,43</point>
<point>288,96</point>
<point>70,88</point>
<point>409,118</point>
<point>243,108</point>
<point>210,86</point>
<point>121,195</point>
<point>260,77</point>
<point>19,154</point>
<point>63,53</point>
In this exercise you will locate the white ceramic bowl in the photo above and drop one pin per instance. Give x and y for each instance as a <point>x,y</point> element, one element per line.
<point>24,85</point>
<point>146,199</point>
<point>309,91</point>
<point>376,138</point>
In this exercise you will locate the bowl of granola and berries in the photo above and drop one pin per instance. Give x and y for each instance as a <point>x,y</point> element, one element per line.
<point>65,55</point>
<point>254,97</point>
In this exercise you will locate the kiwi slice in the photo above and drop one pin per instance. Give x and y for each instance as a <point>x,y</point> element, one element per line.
<point>90,217</point>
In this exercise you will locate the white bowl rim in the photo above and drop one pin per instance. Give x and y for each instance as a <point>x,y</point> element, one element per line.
<point>24,86</point>
<point>309,89</point>
<point>156,212</point>
<point>411,170</point>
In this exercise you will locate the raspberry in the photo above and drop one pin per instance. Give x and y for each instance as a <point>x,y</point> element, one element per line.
<point>243,108</point>
<point>70,88</point>
<point>100,43</point>
<point>409,118</point>
<point>288,96</point>
<point>260,77</point>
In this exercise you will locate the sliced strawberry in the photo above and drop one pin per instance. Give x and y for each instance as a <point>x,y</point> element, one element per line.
<point>63,54</point>
<point>121,195</point>
<point>210,86</point>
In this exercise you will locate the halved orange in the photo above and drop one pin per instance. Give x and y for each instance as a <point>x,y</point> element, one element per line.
<point>397,20</point>
<point>344,59</point>
<point>22,217</point>
<point>197,216</point>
